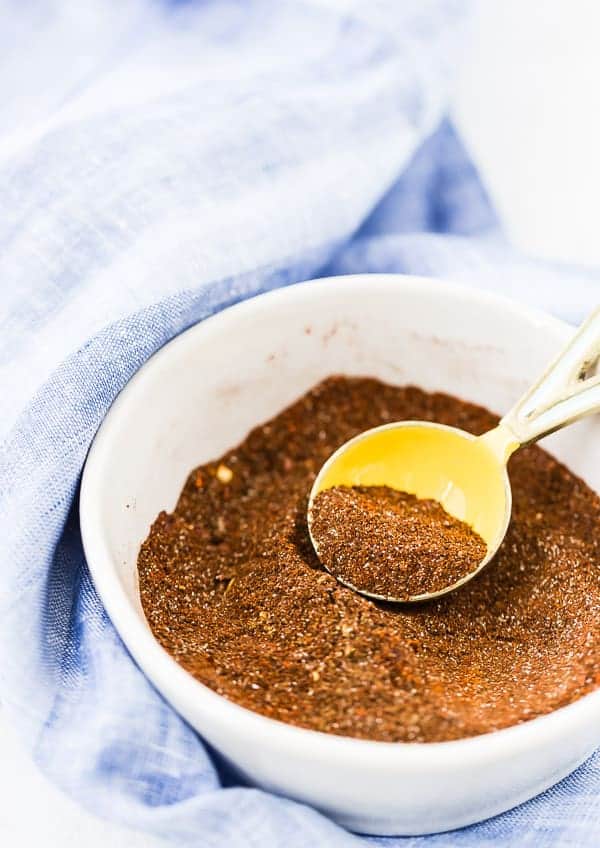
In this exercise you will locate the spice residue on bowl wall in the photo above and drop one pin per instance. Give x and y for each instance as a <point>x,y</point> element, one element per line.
<point>232,588</point>
<point>385,542</point>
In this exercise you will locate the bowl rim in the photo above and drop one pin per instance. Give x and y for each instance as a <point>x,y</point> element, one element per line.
<point>167,676</point>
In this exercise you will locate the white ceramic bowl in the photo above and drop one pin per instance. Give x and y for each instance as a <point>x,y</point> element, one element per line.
<point>200,395</point>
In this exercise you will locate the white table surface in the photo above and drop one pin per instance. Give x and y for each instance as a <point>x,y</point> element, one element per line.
<point>527,106</point>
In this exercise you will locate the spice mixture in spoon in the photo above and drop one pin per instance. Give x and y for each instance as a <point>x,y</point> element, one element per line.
<point>233,590</point>
<point>389,543</point>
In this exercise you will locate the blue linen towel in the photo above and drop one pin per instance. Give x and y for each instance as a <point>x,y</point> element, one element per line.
<point>158,163</point>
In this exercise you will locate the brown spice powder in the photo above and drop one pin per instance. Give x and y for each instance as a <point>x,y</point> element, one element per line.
<point>390,543</point>
<point>232,588</point>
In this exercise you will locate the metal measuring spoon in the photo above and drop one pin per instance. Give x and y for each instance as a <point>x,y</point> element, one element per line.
<point>465,473</point>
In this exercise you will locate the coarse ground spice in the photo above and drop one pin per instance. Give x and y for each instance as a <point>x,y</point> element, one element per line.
<point>386,542</point>
<point>232,588</point>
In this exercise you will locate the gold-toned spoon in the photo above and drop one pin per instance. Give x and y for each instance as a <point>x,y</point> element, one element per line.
<point>465,473</point>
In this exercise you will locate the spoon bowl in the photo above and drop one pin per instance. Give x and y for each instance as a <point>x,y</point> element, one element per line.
<point>464,473</point>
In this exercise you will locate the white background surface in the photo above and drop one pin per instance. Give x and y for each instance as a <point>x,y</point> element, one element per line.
<point>527,104</point>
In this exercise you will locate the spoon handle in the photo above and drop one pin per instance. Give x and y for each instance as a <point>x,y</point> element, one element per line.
<point>568,390</point>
